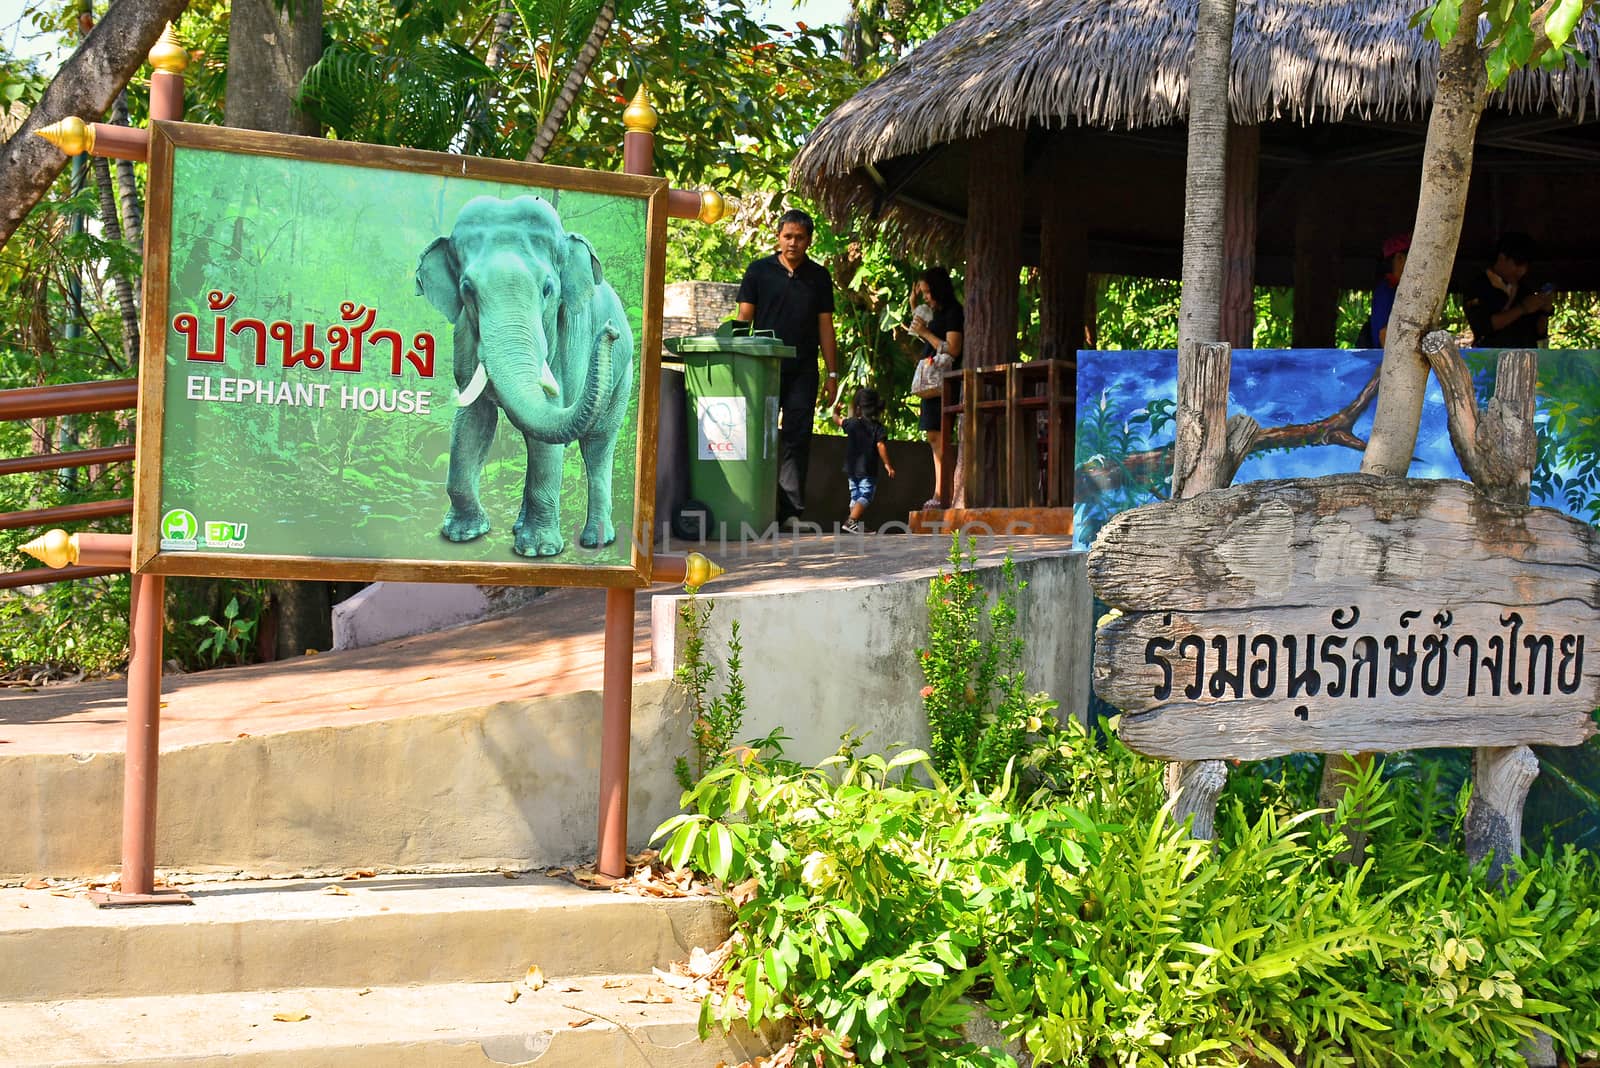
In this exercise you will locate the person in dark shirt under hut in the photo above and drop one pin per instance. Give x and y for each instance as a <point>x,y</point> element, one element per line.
<point>1502,308</point>
<point>792,295</point>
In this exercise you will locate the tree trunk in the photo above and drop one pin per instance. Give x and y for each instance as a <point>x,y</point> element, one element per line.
<point>494,60</point>
<point>269,52</point>
<point>127,185</point>
<point>123,288</point>
<point>1441,205</point>
<point>575,78</point>
<point>994,267</point>
<point>1063,250</point>
<point>1207,450</point>
<point>994,248</point>
<point>1447,171</point>
<point>1200,313</point>
<point>84,87</point>
<point>1238,318</point>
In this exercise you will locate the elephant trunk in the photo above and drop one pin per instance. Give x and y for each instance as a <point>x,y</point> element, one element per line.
<point>530,401</point>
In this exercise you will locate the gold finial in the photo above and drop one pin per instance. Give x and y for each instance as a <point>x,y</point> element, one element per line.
<point>169,54</point>
<point>56,548</point>
<point>71,135</point>
<point>699,571</point>
<point>640,116</point>
<point>712,206</point>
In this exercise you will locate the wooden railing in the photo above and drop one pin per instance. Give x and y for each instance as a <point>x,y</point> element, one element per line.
<point>44,402</point>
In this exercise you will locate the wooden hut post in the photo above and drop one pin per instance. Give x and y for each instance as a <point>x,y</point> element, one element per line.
<point>1239,236</point>
<point>1316,265</point>
<point>1063,280</point>
<point>994,266</point>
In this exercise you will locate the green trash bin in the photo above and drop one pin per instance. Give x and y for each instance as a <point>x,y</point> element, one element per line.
<point>731,381</point>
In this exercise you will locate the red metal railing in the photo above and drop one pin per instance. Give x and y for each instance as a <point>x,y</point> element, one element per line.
<point>43,402</point>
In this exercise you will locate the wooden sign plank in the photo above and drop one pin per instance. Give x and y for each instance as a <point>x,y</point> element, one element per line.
<point>1346,614</point>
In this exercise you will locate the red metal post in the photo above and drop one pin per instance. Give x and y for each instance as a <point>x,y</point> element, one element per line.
<point>144,737</point>
<point>148,613</point>
<point>616,721</point>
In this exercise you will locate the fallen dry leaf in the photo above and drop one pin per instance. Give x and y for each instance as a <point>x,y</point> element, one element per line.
<point>580,1021</point>
<point>336,890</point>
<point>63,893</point>
<point>23,905</point>
<point>36,884</point>
<point>242,734</point>
<point>556,873</point>
<point>491,656</point>
<point>613,984</point>
<point>357,708</point>
<point>656,997</point>
<point>568,988</point>
<point>680,982</point>
<point>291,1017</point>
<point>510,874</point>
<point>363,992</point>
<point>496,675</point>
<point>311,652</point>
<point>513,992</point>
<point>364,873</point>
<point>534,980</point>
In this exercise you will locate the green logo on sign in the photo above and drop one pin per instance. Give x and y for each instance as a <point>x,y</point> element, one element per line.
<point>179,525</point>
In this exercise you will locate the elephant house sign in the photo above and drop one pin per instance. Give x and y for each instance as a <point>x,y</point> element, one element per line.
<point>375,363</point>
<point>1346,614</point>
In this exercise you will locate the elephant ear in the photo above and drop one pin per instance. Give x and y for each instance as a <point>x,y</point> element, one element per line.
<point>438,278</point>
<point>580,271</point>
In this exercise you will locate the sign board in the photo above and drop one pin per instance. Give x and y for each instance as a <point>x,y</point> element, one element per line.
<point>365,362</point>
<point>1346,614</point>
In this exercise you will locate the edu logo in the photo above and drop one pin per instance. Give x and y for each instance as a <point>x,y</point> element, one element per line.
<point>225,535</point>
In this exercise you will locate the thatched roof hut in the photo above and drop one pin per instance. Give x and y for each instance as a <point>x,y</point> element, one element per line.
<point>1330,97</point>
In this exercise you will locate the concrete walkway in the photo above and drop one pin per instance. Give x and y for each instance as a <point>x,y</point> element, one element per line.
<point>551,646</point>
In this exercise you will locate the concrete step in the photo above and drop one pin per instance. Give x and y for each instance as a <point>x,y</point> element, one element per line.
<point>388,931</point>
<point>568,1024</point>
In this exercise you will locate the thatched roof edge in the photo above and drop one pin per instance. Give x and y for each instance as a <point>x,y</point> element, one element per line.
<point>1123,64</point>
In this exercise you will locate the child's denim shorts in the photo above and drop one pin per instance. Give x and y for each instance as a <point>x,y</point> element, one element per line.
<point>862,489</point>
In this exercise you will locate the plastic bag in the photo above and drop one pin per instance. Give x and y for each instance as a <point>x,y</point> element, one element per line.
<point>929,376</point>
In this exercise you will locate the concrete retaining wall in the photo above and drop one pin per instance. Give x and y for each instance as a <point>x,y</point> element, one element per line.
<point>514,783</point>
<point>822,661</point>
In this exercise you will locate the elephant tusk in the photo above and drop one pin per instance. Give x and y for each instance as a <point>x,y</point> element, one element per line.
<point>552,388</point>
<point>480,378</point>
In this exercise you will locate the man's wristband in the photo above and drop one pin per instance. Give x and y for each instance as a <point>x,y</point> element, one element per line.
<point>833,374</point>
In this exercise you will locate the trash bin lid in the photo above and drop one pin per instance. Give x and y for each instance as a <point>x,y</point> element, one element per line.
<point>726,341</point>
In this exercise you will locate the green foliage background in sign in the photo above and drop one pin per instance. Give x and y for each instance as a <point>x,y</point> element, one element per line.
<point>292,240</point>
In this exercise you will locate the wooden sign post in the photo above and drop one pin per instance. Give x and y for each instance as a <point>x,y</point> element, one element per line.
<point>1354,614</point>
<point>1346,614</point>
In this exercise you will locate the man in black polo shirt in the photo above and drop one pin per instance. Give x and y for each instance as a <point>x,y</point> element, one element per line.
<point>792,296</point>
<point>1503,312</point>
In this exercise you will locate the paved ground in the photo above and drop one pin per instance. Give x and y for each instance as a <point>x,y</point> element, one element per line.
<point>550,646</point>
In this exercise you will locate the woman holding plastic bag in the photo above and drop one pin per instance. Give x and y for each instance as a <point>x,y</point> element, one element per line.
<point>937,319</point>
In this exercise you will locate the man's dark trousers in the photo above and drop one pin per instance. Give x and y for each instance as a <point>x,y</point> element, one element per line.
<point>797,399</point>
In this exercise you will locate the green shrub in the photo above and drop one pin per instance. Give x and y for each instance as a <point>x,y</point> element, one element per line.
<point>1101,935</point>
<point>715,719</point>
<point>976,697</point>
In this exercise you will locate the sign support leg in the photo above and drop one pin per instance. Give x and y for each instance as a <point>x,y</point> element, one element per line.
<point>616,728</point>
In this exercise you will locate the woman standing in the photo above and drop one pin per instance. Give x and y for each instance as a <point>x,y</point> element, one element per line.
<point>940,333</point>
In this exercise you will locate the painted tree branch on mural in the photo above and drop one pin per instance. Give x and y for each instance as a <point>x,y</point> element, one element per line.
<point>1337,428</point>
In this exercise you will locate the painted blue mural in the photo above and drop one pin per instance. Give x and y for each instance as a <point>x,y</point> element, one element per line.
<point>1315,407</point>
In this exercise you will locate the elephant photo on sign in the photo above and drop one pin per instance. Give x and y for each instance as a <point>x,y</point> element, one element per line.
<point>541,336</point>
